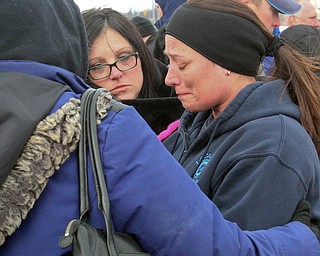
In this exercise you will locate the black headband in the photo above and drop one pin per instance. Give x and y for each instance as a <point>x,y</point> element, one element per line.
<point>230,41</point>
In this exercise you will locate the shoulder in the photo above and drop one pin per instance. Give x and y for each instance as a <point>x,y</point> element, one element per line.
<point>280,137</point>
<point>277,132</point>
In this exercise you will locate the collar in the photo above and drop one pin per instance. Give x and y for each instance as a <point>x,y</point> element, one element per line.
<point>50,72</point>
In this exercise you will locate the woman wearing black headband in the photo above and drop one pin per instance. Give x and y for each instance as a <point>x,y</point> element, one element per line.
<point>252,147</point>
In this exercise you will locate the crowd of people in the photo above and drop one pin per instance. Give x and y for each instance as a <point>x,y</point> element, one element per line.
<point>237,171</point>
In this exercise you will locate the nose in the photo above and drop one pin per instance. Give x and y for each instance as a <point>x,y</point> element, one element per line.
<point>276,20</point>
<point>172,77</point>
<point>115,73</point>
<point>316,23</point>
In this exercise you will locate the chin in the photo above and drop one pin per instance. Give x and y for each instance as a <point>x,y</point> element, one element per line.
<point>193,109</point>
<point>125,97</point>
<point>190,109</point>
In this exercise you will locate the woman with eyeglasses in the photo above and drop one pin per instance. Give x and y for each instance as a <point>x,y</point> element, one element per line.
<point>118,58</point>
<point>120,61</point>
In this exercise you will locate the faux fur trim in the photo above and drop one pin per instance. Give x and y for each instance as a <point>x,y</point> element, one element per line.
<point>51,144</point>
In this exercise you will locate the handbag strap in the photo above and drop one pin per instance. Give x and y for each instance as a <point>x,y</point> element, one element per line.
<point>89,134</point>
<point>83,178</point>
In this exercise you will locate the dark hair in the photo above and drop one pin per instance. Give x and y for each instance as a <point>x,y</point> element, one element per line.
<point>98,19</point>
<point>159,46</point>
<point>298,71</point>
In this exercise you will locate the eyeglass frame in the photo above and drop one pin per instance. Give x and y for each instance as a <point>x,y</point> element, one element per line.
<point>114,64</point>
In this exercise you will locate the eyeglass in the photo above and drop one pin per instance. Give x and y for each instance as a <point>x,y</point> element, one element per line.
<point>103,70</point>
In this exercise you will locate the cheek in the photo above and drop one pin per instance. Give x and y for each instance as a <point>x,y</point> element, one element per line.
<point>136,78</point>
<point>211,91</point>
<point>139,73</point>
<point>101,83</point>
<point>267,18</point>
<point>203,95</point>
<point>265,15</point>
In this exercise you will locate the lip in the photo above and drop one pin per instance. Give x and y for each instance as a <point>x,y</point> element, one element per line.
<point>180,95</point>
<point>119,88</point>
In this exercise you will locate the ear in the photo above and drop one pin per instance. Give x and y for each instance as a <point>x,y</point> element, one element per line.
<point>292,20</point>
<point>245,1</point>
<point>159,9</point>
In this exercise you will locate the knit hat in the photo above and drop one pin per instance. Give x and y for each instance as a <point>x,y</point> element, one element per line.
<point>285,6</point>
<point>144,25</point>
<point>304,38</point>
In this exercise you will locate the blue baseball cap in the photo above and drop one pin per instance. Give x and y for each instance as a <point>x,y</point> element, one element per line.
<point>285,6</point>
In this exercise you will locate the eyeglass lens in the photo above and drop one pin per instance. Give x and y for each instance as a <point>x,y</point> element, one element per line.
<point>124,63</point>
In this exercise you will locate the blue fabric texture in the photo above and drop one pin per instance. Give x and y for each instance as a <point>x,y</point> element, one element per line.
<point>255,161</point>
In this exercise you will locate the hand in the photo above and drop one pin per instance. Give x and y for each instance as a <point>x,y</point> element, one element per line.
<point>302,214</point>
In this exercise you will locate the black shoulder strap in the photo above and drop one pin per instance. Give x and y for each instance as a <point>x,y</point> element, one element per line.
<point>89,138</point>
<point>89,134</point>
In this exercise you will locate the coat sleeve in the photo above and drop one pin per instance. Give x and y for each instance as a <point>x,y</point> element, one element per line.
<point>152,197</point>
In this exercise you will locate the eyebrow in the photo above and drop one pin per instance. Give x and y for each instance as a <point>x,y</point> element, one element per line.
<point>126,48</point>
<point>96,59</point>
<point>172,54</point>
<point>120,50</point>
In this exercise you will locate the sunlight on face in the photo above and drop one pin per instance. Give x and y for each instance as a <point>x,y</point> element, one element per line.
<point>198,82</point>
<point>308,15</point>
<point>107,48</point>
<point>268,15</point>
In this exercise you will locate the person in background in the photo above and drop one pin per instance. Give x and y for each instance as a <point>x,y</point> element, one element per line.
<point>151,196</point>
<point>252,147</point>
<point>305,39</point>
<point>119,59</point>
<point>165,10</point>
<point>306,16</point>
<point>268,12</point>
<point>147,31</point>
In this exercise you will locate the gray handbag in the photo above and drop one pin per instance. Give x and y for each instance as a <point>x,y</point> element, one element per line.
<point>85,239</point>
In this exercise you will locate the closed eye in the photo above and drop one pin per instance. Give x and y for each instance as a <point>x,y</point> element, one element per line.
<point>182,66</point>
